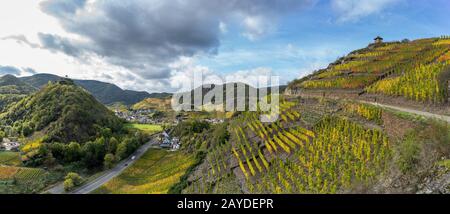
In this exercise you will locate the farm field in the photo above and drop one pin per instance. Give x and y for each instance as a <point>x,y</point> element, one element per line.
<point>10,158</point>
<point>154,173</point>
<point>147,128</point>
<point>22,180</point>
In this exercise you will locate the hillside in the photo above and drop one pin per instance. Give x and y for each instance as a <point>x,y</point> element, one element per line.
<point>106,93</point>
<point>12,89</point>
<point>159,104</point>
<point>62,111</point>
<point>230,98</point>
<point>320,144</point>
<point>10,84</point>
<point>317,146</point>
<point>414,71</point>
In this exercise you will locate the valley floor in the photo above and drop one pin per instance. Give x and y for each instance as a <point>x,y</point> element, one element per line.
<point>154,173</point>
<point>107,175</point>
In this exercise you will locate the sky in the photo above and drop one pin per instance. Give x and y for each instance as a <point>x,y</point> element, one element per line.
<point>160,45</point>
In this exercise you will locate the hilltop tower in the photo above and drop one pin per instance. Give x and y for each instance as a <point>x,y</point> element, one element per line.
<point>378,40</point>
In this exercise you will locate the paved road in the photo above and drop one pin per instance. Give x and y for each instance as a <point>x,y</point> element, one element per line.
<point>106,176</point>
<point>422,113</point>
<point>57,189</point>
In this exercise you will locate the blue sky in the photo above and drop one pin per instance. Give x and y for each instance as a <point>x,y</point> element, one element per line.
<point>159,45</point>
<point>316,36</point>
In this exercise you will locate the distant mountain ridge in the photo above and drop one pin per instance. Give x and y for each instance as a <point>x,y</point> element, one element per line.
<point>106,93</point>
<point>10,84</point>
<point>12,89</point>
<point>229,92</point>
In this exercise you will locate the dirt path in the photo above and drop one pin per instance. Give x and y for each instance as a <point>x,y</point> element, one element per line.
<point>403,109</point>
<point>421,113</point>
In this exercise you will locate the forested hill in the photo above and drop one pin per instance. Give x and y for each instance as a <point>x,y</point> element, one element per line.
<point>62,111</point>
<point>10,84</point>
<point>106,93</point>
<point>12,89</point>
<point>229,92</point>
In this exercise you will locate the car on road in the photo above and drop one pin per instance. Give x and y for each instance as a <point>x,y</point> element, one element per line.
<point>134,157</point>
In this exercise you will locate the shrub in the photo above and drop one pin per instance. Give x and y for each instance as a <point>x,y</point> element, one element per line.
<point>72,180</point>
<point>77,179</point>
<point>109,161</point>
<point>409,151</point>
<point>68,185</point>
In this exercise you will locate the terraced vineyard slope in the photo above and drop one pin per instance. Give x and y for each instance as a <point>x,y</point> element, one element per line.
<point>302,152</point>
<point>418,70</point>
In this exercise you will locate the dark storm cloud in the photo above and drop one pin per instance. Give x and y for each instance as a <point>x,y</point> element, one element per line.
<point>147,35</point>
<point>9,70</point>
<point>57,43</point>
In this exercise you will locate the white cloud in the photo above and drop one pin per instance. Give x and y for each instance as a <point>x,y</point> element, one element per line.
<point>223,27</point>
<point>256,26</point>
<point>185,73</point>
<point>250,77</point>
<point>353,10</point>
<point>25,32</point>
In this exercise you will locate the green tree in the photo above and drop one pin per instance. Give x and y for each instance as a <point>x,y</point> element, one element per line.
<point>73,152</point>
<point>101,140</point>
<point>2,135</point>
<point>112,145</point>
<point>106,132</point>
<point>94,153</point>
<point>68,184</point>
<point>49,160</point>
<point>132,145</point>
<point>121,151</point>
<point>26,130</point>
<point>75,177</point>
<point>409,152</point>
<point>58,150</point>
<point>108,162</point>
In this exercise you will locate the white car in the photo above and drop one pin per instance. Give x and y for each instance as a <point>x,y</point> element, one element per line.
<point>134,157</point>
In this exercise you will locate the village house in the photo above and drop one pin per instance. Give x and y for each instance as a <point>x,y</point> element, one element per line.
<point>169,143</point>
<point>214,121</point>
<point>10,145</point>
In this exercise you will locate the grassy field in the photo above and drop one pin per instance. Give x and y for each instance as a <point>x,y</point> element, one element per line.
<point>154,173</point>
<point>148,128</point>
<point>10,158</point>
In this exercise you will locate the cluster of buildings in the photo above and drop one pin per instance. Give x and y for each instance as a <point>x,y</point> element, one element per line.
<point>214,120</point>
<point>9,145</point>
<point>167,142</point>
<point>137,116</point>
